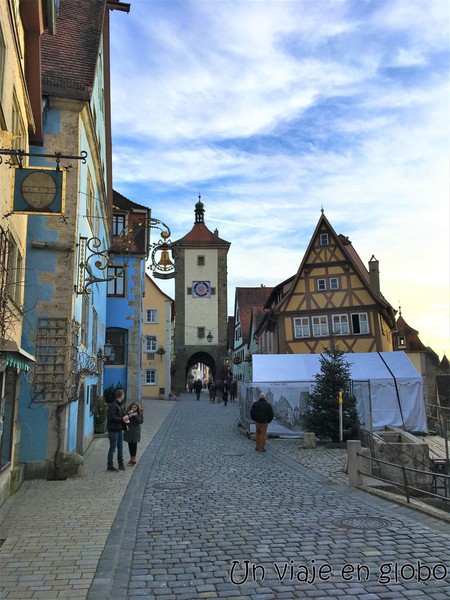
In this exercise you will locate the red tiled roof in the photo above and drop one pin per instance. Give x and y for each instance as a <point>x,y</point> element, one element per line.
<point>200,235</point>
<point>248,300</point>
<point>69,58</point>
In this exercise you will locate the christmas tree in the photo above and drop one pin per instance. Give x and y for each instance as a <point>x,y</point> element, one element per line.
<point>322,413</point>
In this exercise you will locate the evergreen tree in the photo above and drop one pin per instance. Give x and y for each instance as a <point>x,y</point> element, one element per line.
<point>322,413</point>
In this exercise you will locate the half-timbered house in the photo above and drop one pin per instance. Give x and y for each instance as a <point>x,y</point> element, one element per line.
<point>332,297</point>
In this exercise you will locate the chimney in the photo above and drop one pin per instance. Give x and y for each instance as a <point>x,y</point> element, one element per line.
<point>374,274</point>
<point>216,232</point>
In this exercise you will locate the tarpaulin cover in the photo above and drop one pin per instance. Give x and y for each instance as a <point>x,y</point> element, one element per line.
<point>388,388</point>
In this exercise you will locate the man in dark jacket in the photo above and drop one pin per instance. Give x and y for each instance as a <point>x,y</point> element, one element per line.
<point>116,423</point>
<point>262,413</point>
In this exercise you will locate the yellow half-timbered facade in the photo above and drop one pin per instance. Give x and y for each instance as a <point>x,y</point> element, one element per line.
<point>332,298</point>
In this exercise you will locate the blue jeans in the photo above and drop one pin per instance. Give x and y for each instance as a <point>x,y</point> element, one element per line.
<point>115,441</point>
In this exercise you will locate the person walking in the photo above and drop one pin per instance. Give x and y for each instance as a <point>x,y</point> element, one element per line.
<point>262,413</point>
<point>212,390</point>
<point>133,434</point>
<point>233,390</point>
<point>116,422</point>
<point>225,392</point>
<point>198,386</point>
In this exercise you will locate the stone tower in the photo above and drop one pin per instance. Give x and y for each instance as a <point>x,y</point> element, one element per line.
<point>200,300</point>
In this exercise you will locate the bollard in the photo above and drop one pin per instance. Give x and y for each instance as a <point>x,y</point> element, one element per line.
<point>309,440</point>
<point>355,478</point>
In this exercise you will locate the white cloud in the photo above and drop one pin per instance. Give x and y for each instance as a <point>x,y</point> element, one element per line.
<point>272,110</point>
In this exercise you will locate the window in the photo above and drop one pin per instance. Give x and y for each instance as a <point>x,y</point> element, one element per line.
<point>324,240</point>
<point>118,340</point>
<point>17,126</point>
<point>151,343</point>
<point>94,331</point>
<point>90,201</point>
<point>116,286</point>
<point>14,277</point>
<point>84,329</point>
<point>340,324</point>
<point>200,333</point>
<point>321,285</point>
<point>334,283</point>
<point>2,61</point>
<point>118,224</point>
<point>360,323</point>
<point>150,377</point>
<point>151,315</point>
<point>320,326</point>
<point>201,261</point>
<point>301,327</point>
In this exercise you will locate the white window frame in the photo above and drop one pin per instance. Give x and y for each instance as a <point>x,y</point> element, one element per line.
<point>320,326</point>
<point>151,315</point>
<point>321,284</point>
<point>116,287</point>
<point>151,377</point>
<point>363,323</point>
<point>301,327</point>
<point>334,283</point>
<point>324,239</point>
<point>340,324</point>
<point>151,343</point>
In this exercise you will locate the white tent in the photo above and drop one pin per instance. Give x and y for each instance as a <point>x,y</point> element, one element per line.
<point>388,388</point>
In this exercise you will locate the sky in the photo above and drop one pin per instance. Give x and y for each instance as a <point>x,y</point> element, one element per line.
<point>274,110</point>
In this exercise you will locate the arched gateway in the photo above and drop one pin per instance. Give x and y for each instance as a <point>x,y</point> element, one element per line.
<point>200,300</point>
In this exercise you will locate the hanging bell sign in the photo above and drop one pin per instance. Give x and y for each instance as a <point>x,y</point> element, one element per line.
<point>164,268</point>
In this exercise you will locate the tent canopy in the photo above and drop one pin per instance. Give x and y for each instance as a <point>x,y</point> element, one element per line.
<point>388,388</point>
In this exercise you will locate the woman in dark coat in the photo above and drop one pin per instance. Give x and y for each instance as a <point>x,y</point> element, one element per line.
<point>133,434</point>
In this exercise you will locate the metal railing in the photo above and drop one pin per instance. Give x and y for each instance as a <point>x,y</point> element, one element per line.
<point>406,487</point>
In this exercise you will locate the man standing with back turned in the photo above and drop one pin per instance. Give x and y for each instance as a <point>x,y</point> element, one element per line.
<point>262,413</point>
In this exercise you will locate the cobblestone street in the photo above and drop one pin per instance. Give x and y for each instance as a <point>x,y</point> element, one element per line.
<point>208,517</point>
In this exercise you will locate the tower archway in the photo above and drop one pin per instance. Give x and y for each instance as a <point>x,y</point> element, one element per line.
<point>201,357</point>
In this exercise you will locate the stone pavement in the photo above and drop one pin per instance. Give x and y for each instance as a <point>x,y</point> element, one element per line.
<point>208,517</point>
<point>205,516</point>
<point>54,532</point>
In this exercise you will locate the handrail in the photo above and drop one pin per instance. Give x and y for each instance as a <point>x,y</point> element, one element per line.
<point>407,487</point>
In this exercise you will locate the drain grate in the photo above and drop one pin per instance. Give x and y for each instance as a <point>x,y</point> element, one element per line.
<point>362,522</point>
<point>169,486</point>
<point>231,453</point>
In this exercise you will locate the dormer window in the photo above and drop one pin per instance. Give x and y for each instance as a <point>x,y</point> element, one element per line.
<point>324,239</point>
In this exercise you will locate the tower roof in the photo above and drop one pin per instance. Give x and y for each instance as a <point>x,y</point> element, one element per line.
<point>200,235</point>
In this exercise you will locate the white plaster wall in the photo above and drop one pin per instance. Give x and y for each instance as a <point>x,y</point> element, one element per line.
<point>201,312</point>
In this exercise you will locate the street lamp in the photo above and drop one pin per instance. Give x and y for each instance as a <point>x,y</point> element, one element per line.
<point>209,337</point>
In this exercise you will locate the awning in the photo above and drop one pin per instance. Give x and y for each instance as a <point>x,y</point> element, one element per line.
<point>13,355</point>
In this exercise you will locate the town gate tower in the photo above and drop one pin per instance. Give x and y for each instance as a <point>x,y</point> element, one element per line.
<point>200,301</point>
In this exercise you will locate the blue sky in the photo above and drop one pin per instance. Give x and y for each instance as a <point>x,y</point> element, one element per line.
<point>272,110</point>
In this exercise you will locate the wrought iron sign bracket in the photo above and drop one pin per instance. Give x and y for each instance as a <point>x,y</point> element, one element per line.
<point>57,157</point>
<point>101,261</point>
<point>164,268</point>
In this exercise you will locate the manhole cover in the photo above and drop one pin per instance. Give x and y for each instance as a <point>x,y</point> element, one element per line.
<point>176,485</point>
<point>362,522</point>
